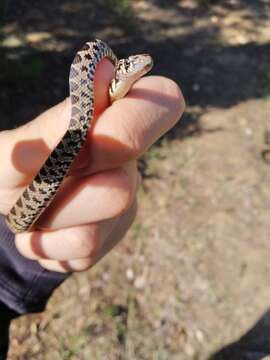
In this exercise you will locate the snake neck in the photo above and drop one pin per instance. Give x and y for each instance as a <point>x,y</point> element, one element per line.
<point>81,82</point>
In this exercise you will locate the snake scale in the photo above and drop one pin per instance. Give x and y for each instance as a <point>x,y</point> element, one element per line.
<point>40,192</point>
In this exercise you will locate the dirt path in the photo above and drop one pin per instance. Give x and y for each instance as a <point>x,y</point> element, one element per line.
<point>192,275</point>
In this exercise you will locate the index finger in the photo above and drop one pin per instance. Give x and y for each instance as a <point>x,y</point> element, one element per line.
<point>131,125</point>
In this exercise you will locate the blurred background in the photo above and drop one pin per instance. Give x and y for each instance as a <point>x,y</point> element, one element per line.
<point>191,279</point>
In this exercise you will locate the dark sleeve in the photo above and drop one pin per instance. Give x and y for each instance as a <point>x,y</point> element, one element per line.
<point>25,286</point>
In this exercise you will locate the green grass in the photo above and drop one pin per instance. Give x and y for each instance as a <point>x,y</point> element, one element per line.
<point>121,7</point>
<point>122,11</point>
<point>113,310</point>
<point>3,9</point>
<point>21,69</point>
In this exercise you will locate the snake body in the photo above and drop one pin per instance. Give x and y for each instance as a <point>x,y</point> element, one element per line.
<point>40,192</point>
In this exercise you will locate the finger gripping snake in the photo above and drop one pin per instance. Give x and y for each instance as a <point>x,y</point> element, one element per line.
<point>40,192</point>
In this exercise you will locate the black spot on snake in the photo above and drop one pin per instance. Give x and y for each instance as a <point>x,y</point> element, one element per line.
<point>88,56</point>
<point>13,211</point>
<point>19,203</point>
<point>74,99</point>
<point>38,179</point>
<point>26,194</point>
<point>32,187</point>
<point>29,207</point>
<point>84,68</point>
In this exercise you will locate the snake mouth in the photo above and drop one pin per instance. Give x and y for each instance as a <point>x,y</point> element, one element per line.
<point>150,65</point>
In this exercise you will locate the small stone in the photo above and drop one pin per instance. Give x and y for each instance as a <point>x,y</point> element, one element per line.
<point>199,335</point>
<point>105,276</point>
<point>214,19</point>
<point>140,283</point>
<point>130,274</point>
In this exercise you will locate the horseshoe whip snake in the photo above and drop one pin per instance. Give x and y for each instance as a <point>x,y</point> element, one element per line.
<point>40,192</point>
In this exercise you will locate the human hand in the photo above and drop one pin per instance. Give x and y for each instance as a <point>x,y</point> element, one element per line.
<point>96,204</point>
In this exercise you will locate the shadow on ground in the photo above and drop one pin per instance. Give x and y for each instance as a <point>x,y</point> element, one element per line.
<point>211,73</point>
<point>254,345</point>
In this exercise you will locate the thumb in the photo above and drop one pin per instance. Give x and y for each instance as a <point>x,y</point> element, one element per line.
<point>25,149</point>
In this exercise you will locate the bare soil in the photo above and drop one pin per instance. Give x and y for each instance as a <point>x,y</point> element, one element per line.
<point>190,281</point>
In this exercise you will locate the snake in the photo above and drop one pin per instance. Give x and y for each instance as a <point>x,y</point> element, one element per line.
<point>40,192</point>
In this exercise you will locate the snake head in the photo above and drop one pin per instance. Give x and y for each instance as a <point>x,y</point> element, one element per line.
<point>134,66</point>
<point>127,72</point>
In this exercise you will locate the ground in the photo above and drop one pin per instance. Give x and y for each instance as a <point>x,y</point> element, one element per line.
<point>190,280</point>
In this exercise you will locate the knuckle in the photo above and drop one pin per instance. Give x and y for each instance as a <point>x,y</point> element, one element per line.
<point>87,241</point>
<point>82,264</point>
<point>20,246</point>
<point>133,138</point>
<point>126,188</point>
